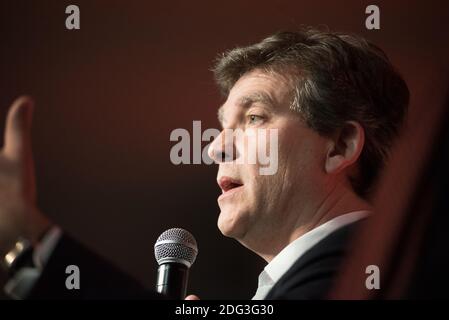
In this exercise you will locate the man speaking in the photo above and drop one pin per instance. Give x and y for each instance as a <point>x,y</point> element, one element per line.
<point>336,103</point>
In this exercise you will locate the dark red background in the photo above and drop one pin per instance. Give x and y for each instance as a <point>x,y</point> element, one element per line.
<point>109,95</point>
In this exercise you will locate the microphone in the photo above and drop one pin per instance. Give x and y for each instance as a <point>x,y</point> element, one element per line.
<point>175,251</point>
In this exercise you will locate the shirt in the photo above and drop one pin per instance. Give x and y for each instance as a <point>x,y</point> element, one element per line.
<point>285,259</point>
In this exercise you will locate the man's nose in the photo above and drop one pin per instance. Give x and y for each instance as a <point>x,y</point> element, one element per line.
<point>222,149</point>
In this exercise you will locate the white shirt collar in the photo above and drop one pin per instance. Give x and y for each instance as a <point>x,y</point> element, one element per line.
<point>293,251</point>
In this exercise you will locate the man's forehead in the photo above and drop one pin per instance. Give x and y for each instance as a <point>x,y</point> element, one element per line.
<point>258,81</point>
<point>260,87</point>
<point>255,96</point>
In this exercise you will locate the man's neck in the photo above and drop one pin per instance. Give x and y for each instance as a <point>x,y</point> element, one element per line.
<point>334,204</point>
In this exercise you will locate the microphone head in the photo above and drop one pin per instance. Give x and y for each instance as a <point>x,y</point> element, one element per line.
<point>176,245</point>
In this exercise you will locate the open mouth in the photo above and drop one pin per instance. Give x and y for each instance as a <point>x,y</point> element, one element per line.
<point>228,184</point>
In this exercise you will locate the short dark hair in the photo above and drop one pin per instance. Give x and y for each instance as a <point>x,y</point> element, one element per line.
<point>336,78</point>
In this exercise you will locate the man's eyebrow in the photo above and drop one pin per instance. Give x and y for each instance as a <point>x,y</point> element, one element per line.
<point>258,96</point>
<point>247,100</point>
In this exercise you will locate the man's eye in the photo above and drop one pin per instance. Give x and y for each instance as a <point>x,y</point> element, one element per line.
<point>255,118</point>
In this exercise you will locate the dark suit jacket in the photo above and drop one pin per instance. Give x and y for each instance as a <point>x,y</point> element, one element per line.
<point>99,279</point>
<point>313,274</point>
<point>310,277</point>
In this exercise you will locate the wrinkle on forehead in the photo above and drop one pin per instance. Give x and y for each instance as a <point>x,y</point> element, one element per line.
<point>269,88</point>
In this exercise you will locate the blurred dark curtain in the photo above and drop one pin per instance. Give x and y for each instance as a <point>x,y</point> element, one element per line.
<point>408,236</point>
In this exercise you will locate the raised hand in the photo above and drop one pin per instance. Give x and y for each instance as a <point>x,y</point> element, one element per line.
<point>19,216</point>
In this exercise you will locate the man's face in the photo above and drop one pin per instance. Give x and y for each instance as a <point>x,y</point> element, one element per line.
<point>257,208</point>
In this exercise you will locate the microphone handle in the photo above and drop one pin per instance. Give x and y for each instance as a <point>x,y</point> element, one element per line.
<point>172,280</point>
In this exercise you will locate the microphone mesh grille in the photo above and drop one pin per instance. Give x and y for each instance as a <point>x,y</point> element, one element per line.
<point>176,245</point>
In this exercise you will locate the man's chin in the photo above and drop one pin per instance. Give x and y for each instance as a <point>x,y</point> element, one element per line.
<point>230,225</point>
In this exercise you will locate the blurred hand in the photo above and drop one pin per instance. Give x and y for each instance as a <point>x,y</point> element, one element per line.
<point>192,297</point>
<point>19,215</point>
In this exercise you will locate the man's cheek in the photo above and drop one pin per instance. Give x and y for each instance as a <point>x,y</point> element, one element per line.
<point>261,148</point>
<point>268,154</point>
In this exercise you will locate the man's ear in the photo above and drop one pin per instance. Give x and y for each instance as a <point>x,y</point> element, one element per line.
<point>345,147</point>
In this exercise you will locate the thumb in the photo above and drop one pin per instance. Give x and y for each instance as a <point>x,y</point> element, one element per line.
<point>192,297</point>
<point>17,144</point>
